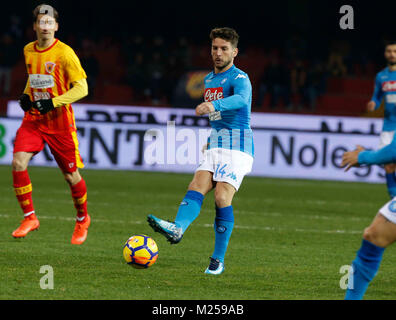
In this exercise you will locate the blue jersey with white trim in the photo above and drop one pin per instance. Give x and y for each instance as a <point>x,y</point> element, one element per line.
<point>231,95</point>
<point>385,88</point>
<point>384,155</point>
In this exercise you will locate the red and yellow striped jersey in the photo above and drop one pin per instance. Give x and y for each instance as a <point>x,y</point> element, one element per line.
<point>51,72</point>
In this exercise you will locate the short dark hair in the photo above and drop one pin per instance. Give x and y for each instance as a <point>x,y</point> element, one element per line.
<point>227,34</point>
<point>45,9</point>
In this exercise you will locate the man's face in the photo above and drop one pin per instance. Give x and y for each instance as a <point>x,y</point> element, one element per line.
<point>390,54</point>
<point>45,27</point>
<point>223,53</point>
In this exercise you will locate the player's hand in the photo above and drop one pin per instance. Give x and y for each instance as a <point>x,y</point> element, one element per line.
<point>204,108</point>
<point>43,106</point>
<point>350,158</point>
<point>370,106</point>
<point>24,102</point>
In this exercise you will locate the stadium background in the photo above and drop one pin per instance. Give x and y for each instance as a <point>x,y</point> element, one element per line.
<point>291,236</point>
<point>155,53</point>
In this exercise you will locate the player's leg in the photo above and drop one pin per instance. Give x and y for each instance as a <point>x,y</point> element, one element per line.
<point>223,225</point>
<point>78,190</point>
<point>390,179</point>
<point>64,148</point>
<point>28,141</point>
<point>379,235</point>
<point>189,208</point>
<point>22,183</point>
<point>23,190</point>
<point>79,194</point>
<point>231,168</point>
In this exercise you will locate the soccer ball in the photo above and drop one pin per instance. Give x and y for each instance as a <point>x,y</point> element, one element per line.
<point>140,251</point>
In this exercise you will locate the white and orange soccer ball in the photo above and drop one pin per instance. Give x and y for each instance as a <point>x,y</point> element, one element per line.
<point>140,251</point>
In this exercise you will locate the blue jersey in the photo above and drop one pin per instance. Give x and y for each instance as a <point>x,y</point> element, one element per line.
<point>385,88</point>
<point>231,95</point>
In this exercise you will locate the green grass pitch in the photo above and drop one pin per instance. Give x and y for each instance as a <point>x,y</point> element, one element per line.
<point>291,238</point>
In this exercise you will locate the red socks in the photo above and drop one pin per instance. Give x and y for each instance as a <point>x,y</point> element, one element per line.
<point>23,191</point>
<point>79,194</point>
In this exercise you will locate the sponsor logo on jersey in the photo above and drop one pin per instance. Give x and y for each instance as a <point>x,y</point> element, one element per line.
<point>49,67</point>
<point>41,81</point>
<point>41,96</point>
<point>212,94</point>
<point>389,86</point>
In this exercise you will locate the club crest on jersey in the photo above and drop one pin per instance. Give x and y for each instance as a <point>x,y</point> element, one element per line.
<point>212,94</point>
<point>49,67</point>
<point>392,206</point>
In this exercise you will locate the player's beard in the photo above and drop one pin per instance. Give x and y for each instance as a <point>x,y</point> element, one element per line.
<point>224,65</point>
<point>391,63</point>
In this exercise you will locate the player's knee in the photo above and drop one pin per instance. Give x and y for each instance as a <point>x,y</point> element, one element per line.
<point>72,178</point>
<point>198,186</point>
<point>370,234</point>
<point>18,164</point>
<point>373,235</point>
<point>222,199</point>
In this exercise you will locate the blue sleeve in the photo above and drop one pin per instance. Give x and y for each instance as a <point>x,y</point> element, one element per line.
<point>242,92</point>
<point>378,93</point>
<point>384,155</point>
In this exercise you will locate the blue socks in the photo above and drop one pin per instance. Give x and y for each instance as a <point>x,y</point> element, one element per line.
<point>224,223</point>
<point>189,209</point>
<point>365,267</point>
<point>391,184</point>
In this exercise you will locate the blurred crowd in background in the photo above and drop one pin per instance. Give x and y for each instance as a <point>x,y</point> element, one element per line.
<point>157,70</point>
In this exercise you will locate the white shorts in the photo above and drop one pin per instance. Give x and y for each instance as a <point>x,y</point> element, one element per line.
<point>389,210</point>
<point>386,138</point>
<point>227,165</point>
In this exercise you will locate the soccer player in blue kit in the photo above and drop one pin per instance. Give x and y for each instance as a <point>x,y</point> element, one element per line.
<point>385,88</point>
<point>229,154</point>
<point>382,231</point>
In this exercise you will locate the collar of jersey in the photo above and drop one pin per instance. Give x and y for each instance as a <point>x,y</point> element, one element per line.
<point>46,49</point>
<point>225,72</point>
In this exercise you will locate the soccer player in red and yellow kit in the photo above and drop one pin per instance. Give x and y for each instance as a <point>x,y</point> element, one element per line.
<point>55,80</point>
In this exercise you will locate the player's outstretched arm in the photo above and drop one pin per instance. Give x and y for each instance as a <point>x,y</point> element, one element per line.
<point>360,156</point>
